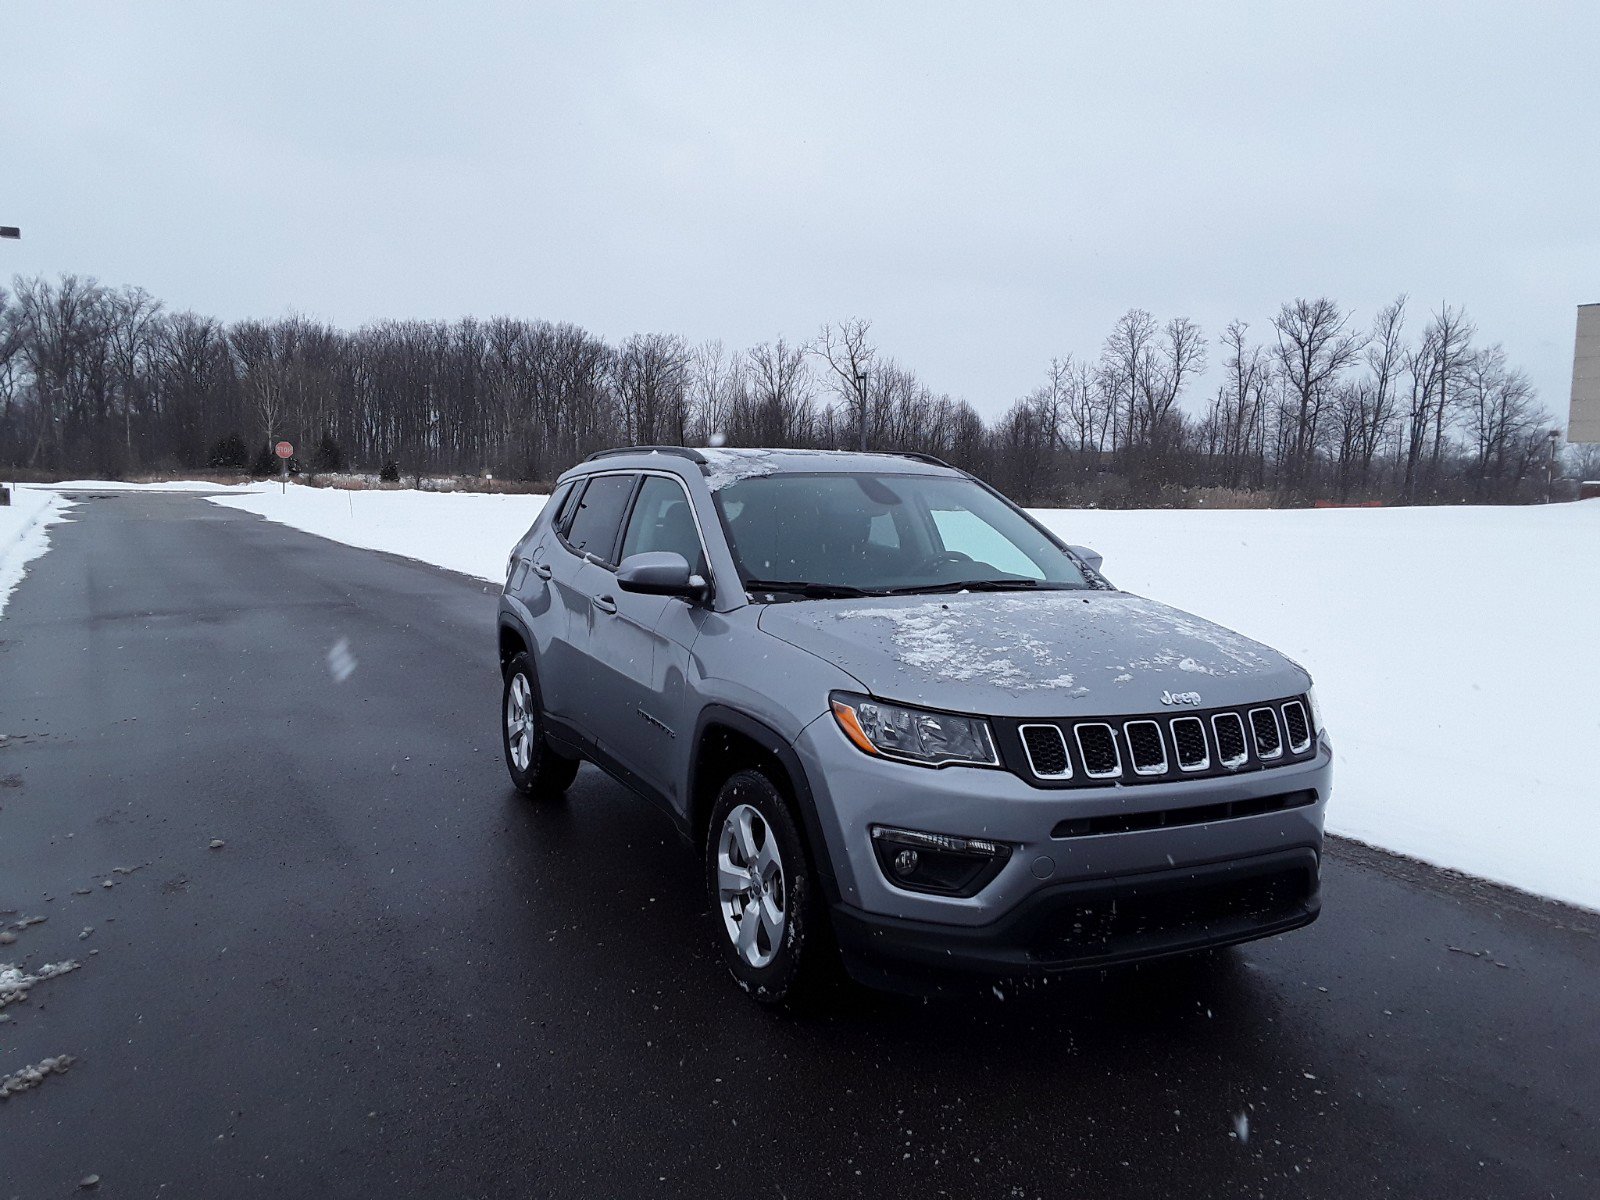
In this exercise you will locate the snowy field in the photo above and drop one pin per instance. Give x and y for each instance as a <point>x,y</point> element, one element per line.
<point>24,533</point>
<point>1455,656</point>
<point>1450,659</point>
<point>168,485</point>
<point>470,532</point>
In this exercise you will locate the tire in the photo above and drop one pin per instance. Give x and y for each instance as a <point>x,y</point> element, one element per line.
<point>769,921</point>
<point>536,769</point>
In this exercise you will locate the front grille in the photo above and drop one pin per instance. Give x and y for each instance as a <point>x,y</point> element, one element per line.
<point>1145,747</point>
<point>1047,751</point>
<point>1189,736</point>
<point>1157,747</point>
<point>1098,745</point>
<point>1229,729</point>
<point>1294,720</point>
<point>1264,724</point>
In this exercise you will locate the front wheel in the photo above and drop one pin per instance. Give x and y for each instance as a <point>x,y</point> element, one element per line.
<point>769,918</point>
<point>536,769</point>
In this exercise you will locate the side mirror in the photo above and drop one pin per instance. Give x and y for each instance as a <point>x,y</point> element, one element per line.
<point>1089,556</point>
<point>660,573</point>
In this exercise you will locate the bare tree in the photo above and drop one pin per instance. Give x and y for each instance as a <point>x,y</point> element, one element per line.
<point>1314,347</point>
<point>714,377</point>
<point>1125,362</point>
<point>652,385</point>
<point>1505,426</point>
<point>1238,414</point>
<point>848,353</point>
<point>776,407</point>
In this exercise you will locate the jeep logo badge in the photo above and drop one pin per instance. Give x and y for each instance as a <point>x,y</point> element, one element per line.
<point>1180,698</point>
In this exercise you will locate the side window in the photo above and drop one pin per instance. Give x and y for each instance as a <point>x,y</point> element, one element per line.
<point>565,501</point>
<point>593,526</point>
<point>663,520</point>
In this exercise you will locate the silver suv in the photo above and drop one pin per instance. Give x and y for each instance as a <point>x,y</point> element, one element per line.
<point>906,726</point>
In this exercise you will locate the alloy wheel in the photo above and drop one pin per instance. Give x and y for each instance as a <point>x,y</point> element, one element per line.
<point>520,724</point>
<point>751,888</point>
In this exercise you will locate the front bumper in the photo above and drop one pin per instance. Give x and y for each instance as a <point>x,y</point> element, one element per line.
<point>1051,880</point>
<point>1091,924</point>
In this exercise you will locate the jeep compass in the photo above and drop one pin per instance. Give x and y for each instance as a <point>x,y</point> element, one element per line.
<point>905,726</point>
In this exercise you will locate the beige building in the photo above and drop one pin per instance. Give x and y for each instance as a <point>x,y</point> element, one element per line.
<point>1584,423</point>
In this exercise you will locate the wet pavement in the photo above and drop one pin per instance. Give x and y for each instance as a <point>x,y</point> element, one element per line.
<point>395,976</point>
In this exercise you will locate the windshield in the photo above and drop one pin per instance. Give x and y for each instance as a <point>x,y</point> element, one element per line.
<point>855,534</point>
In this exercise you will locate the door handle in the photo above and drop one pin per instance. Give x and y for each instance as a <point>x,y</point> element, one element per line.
<point>542,570</point>
<point>605,604</point>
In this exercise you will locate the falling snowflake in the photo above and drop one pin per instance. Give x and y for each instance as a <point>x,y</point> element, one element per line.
<point>341,663</point>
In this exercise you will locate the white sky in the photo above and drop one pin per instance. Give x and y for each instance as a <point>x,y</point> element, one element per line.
<point>991,184</point>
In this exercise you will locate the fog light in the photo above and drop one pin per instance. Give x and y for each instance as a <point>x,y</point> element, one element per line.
<point>937,862</point>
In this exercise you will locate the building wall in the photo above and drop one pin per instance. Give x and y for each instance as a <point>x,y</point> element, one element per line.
<point>1584,423</point>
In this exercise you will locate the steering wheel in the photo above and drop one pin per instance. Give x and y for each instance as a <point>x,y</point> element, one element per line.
<point>944,556</point>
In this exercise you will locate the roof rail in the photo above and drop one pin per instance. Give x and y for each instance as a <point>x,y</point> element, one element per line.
<point>681,451</point>
<point>917,456</point>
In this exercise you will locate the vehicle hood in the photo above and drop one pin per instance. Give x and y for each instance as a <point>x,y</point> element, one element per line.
<point>1056,654</point>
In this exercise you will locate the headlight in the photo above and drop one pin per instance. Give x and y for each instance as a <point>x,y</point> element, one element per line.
<point>1316,713</point>
<point>913,734</point>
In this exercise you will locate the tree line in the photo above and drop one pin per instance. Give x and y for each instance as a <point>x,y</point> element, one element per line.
<point>105,381</point>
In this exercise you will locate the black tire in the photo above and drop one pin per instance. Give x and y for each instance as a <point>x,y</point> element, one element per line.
<point>536,768</point>
<point>802,955</point>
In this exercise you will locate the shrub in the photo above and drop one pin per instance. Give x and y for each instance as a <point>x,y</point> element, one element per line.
<point>390,472</point>
<point>265,464</point>
<point>229,451</point>
<point>329,457</point>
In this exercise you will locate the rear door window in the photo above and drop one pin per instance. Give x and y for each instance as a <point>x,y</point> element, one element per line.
<point>595,522</point>
<point>565,501</point>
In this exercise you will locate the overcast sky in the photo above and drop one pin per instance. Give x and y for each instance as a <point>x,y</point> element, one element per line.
<point>991,184</point>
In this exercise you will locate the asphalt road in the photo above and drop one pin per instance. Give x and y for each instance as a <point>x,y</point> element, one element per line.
<point>399,978</point>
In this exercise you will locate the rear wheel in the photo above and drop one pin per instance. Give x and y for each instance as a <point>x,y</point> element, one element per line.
<point>770,924</point>
<point>536,769</point>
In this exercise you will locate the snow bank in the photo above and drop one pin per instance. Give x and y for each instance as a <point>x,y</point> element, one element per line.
<point>470,532</point>
<point>1455,654</point>
<point>1452,660</point>
<point>23,535</point>
<point>166,485</point>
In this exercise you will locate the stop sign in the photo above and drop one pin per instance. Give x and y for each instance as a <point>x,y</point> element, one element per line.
<point>284,449</point>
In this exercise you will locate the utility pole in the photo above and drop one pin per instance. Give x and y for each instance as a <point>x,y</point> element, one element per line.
<point>861,402</point>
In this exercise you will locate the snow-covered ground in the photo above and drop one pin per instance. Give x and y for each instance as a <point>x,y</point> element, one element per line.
<point>470,532</point>
<point>1453,662</point>
<point>1455,654</point>
<point>168,485</point>
<point>24,533</point>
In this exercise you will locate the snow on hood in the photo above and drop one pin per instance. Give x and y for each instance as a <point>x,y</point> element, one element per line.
<point>1052,653</point>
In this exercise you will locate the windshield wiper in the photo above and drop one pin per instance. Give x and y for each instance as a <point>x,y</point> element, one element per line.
<point>980,585</point>
<point>813,591</point>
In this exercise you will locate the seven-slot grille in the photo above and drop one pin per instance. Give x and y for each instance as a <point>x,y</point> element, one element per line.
<point>1264,725</point>
<point>1231,748</point>
<point>1158,747</point>
<point>1047,751</point>
<point>1299,727</point>
<point>1097,742</point>
<point>1146,747</point>
<point>1189,737</point>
